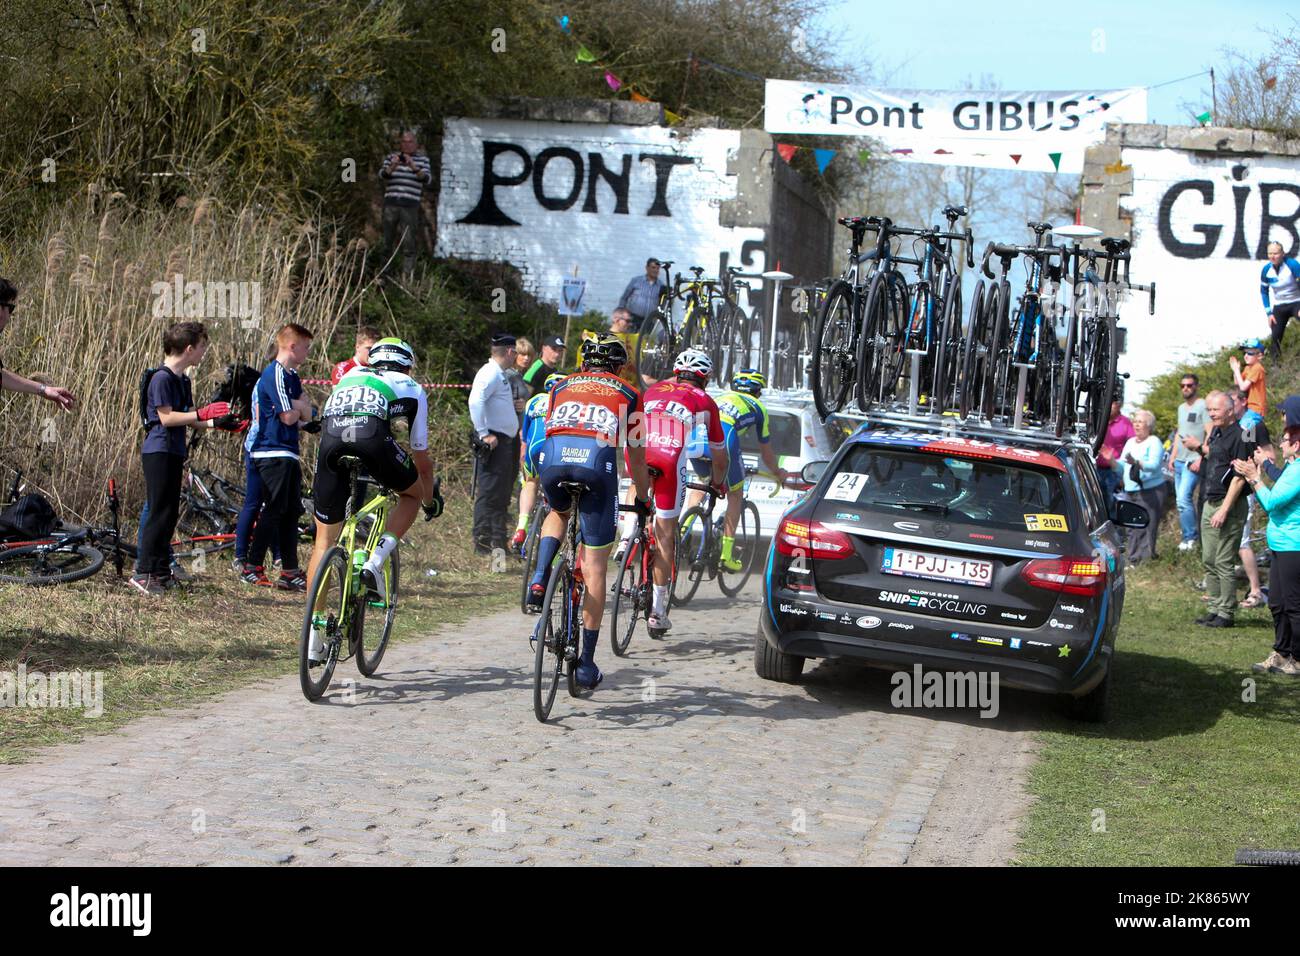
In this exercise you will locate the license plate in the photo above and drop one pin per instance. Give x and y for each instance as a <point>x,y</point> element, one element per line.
<point>937,567</point>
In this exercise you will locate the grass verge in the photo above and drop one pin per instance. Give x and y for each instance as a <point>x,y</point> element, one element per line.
<point>1190,767</point>
<point>221,634</point>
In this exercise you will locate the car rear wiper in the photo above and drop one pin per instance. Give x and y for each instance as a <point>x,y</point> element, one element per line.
<point>921,506</point>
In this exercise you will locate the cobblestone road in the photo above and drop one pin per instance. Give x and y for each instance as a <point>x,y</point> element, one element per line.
<point>683,755</point>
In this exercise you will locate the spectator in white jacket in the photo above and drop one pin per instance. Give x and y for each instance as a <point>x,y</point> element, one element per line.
<point>1142,458</point>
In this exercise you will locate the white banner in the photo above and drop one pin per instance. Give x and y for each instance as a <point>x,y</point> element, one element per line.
<point>1039,130</point>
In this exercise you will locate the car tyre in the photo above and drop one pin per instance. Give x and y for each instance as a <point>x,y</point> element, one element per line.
<point>771,664</point>
<point>1094,706</point>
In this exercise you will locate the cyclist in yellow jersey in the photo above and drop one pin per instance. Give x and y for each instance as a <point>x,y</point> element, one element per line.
<point>740,409</point>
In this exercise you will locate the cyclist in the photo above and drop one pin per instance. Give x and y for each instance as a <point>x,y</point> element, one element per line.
<point>589,412</point>
<point>357,420</point>
<point>741,410</point>
<point>534,434</point>
<point>677,413</point>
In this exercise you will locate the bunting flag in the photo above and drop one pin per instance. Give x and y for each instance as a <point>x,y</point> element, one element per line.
<point>584,56</point>
<point>1270,82</point>
<point>563,22</point>
<point>1115,168</point>
<point>637,97</point>
<point>1015,157</point>
<point>787,150</point>
<point>943,152</point>
<point>863,156</point>
<point>1204,118</point>
<point>613,81</point>
<point>824,157</point>
<point>1056,160</point>
<point>902,152</point>
<point>673,118</point>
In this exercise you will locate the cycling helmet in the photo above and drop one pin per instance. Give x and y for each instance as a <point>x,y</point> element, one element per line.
<point>750,381</point>
<point>694,362</point>
<point>552,380</point>
<point>606,351</point>
<point>392,354</point>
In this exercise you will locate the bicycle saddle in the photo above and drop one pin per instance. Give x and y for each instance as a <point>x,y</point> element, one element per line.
<point>698,270</point>
<point>667,264</point>
<point>1114,245</point>
<point>953,213</point>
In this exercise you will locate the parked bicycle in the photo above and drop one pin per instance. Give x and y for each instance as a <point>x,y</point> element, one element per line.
<point>834,371</point>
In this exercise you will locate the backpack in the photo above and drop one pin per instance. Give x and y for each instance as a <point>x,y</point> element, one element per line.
<point>31,516</point>
<point>237,389</point>
<point>145,378</point>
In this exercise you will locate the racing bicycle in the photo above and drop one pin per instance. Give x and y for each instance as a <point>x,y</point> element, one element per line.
<point>557,636</point>
<point>633,587</point>
<point>699,547</point>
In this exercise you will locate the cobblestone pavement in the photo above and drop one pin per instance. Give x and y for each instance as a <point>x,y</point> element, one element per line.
<point>683,755</point>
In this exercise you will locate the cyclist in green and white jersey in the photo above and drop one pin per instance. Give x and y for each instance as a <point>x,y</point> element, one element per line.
<point>357,420</point>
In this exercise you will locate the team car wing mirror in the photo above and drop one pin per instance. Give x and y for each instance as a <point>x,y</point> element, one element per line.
<point>813,471</point>
<point>1130,514</point>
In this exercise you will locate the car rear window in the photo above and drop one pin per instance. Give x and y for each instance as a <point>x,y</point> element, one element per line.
<point>786,435</point>
<point>988,493</point>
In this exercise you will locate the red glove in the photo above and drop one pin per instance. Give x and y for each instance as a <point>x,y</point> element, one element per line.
<point>215,410</point>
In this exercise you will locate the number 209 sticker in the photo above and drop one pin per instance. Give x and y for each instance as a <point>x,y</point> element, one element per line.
<point>1045,523</point>
<point>846,486</point>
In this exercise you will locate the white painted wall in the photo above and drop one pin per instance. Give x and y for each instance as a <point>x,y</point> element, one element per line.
<point>609,248</point>
<point>1202,304</point>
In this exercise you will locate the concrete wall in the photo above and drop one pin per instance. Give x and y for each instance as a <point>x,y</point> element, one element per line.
<point>1199,204</point>
<point>698,196</point>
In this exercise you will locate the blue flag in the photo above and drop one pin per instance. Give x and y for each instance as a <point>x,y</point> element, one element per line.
<point>824,157</point>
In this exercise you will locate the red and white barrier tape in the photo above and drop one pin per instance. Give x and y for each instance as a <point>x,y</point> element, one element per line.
<point>325,381</point>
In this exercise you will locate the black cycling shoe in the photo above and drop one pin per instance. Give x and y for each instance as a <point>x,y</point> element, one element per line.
<point>536,595</point>
<point>1220,622</point>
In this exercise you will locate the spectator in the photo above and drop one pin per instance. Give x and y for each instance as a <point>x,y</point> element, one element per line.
<point>281,411</point>
<point>367,335</point>
<point>12,380</point>
<point>1118,431</point>
<point>1254,429</point>
<point>524,353</point>
<point>641,297</point>
<point>1251,379</point>
<point>1282,277</point>
<point>495,414</point>
<point>1281,499</point>
<point>169,411</point>
<point>551,359</point>
<point>1144,454</point>
<point>620,323</point>
<point>404,174</point>
<point>1192,423</point>
<point>1224,515</point>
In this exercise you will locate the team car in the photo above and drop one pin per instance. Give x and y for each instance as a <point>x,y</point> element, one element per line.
<point>955,553</point>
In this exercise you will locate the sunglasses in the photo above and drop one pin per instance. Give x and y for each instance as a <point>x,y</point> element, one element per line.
<point>1189,384</point>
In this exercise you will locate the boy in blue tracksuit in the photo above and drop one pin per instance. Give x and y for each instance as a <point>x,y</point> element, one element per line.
<point>281,411</point>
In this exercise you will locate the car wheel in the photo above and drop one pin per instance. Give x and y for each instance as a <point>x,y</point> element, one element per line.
<point>1094,706</point>
<point>771,664</point>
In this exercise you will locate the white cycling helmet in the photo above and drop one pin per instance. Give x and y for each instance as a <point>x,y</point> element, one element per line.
<point>392,354</point>
<point>694,362</point>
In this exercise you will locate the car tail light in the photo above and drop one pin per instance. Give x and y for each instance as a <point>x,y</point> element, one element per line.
<point>1084,576</point>
<point>812,539</point>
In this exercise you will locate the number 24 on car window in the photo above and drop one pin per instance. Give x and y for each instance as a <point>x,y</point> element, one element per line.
<point>846,486</point>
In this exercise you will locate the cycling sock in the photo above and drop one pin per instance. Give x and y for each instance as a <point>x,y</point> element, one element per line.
<point>590,638</point>
<point>523,522</point>
<point>727,545</point>
<point>660,603</point>
<point>387,544</point>
<point>547,548</point>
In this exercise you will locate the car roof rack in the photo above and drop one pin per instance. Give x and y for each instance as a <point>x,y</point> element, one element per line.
<point>949,426</point>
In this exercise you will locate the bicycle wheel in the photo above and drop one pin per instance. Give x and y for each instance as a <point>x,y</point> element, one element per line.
<point>746,548</point>
<point>880,348</point>
<point>201,530</point>
<point>1067,403</point>
<point>375,620</point>
<point>530,549</point>
<point>947,351</point>
<point>551,637</point>
<point>834,351</point>
<point>974,354</point>
<point>692,552</point>
<point>629,599</point>
<point>654,350</point>
<point>1099,380</point>
<point>41,564</point>
<point>914,337</point>
<point>694,327</point>
<point>1001,351</point>
<point>327,609</point>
